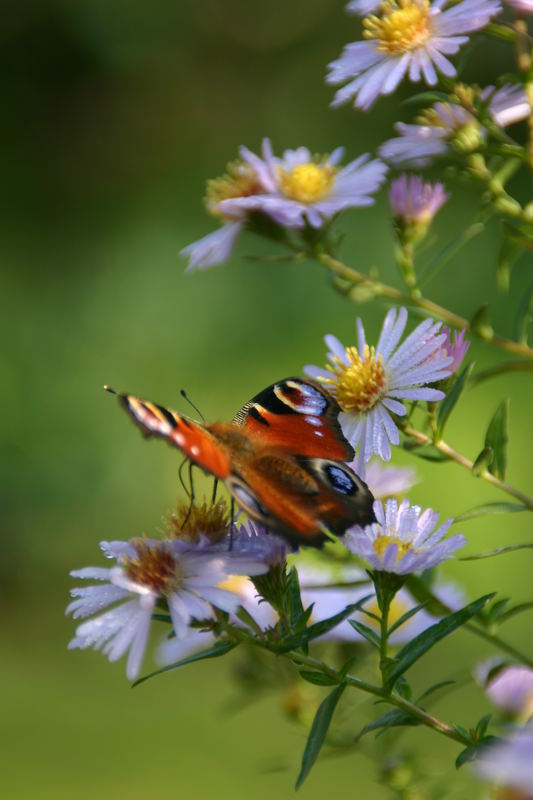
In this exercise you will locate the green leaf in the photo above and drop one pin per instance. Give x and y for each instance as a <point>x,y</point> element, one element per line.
<point>496,438</point>
<point>433,689</point>
<point>426,98</point>
<point>391,719</point>
<point>483,724</point>
<point>448,404</point>
<point>416,648</point>
<point>473,751</point>
<point>366,632</point>
<point>317,678</point>
<point>426,451</point>
<point>510,548</point>
<point>313,631</point>
<point>162,618</point>
<point>520,608</point>
<point>318,732</point>
<point>407,616</point>
<point>483,461</point>
<point>490,508</point>
<point>295,609</point>
<point>218,649</point>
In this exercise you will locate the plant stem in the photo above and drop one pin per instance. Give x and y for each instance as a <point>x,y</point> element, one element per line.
<point>501,644</point>
<point>465,462</point>
<point>378,289</point>
<point>405,705</point>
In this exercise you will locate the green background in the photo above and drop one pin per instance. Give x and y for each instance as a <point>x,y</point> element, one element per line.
<point>115,114</point>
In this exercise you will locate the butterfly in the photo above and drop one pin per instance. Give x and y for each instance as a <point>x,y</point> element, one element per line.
<point>282,458</point>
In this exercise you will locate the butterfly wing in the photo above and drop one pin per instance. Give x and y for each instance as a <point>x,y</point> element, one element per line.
<point>298,417</point>
<point>192,438</point>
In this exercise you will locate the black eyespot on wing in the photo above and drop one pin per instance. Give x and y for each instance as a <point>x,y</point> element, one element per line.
<point>246,498</point>
<point>340,480</point>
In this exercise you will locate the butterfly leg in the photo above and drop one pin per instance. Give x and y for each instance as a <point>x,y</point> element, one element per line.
<point>191,495</point>
<point>180,476</point>
<point>232,522</point>
<point>215,487</point>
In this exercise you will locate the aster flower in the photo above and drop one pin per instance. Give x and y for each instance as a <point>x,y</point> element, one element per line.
<point>521,6</point>
<point>508,104</point>
<point>369,382</point>
<point>385,481</point>
<point>330,600</point>
<point>363,7</point>
<point>456,349</point>
<point>300,189</point>
<point>403,539</point>
<point>414,202</point>
<point>509,764</point>
<point>409,37</point>
<point>438,131</point>
<point>147,571</point>
<point>509,686</point>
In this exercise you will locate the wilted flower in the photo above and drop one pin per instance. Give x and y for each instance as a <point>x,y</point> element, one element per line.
<point>414,202</point>
<point>300,189</point>
<point>148,570</point>
<point>403,540</point>
<point>408,37</point>
<point>370,382</point>
<point>509,765</point>
<point>456,349</point>
<point>438,130</point>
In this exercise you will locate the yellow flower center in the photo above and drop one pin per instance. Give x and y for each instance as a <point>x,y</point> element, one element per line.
<point>361,383</point>
<point>235,583</point>
<point>154,567</point>
<point>397,609</point>
<point>239,180</point>
<point>307,183</point>
<point>403,25</point>
<point>382,542</point>
<point>208,519</point>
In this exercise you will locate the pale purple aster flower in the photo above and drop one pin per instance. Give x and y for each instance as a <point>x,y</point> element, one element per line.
<point>508,104</point>
<point>409,37</point>
<point>456,349</point>
<point>369,383</point>
<point>509,764</point>
<point>213,249</point>
<point>385,481</point>
<point>363,7</point>
<point>403,539</point>
<point>188,578</point>
<point>415,202</point>
<point>256,542</point>
<point>330,600</point>
<point>509,687</point>
<point>438,130</point>
<point>300,189</point>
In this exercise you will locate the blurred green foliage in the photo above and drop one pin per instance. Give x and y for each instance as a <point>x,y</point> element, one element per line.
<point>115,114</point>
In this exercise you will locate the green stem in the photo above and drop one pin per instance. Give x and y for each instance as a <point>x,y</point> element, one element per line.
<point>378,289</point>
<point>501,644</point>
<point>465,462</point>
<point>405,705</point>
<point>500,369</point>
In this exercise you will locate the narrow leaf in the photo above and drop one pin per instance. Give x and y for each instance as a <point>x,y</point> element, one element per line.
<point>514,611</point>
<point>317,678</point>
<point>433,689</point>
<point>483,461</point>
<point>219,649</point>
<point>407,616</point>
<point>313,631</point>
<point>448,404</point>
<point>416,648</point>
<point>391,719</point>
<point>490,508</point>
<point>294,606</point>
<point>496,438</point>
<point>366,632</point>
<point>318,732</point>
<point>497,552</point>
<point>473,751</point>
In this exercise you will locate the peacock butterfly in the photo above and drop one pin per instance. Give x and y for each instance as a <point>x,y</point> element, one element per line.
<point>282,458</point>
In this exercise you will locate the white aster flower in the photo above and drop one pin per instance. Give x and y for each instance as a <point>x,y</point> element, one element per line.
<point>409,37</point>
<point>509,765</point>
<point>363,7</point>
<point>300,189</point>
<point>403,539</point>
<point>370,383</point>
<point>188,578</point>
<point>384,481</point>
<point>508,104</point>
<point>521,6</point>
<point>438,130</point>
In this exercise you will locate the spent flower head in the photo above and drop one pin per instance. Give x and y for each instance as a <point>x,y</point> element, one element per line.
<point>406,38</point>
<point>414,203</point>
<point>403,539</point>
<point>370,383</point>
<point>456,347</point>
<point>186,577</point>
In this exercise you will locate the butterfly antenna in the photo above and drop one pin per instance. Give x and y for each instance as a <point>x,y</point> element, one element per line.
<point>191,503</point>
<point>109,389</point>
<point>180,476</point>
<point>190,402</point>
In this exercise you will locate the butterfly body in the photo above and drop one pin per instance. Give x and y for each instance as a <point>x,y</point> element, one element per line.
<point>282,458</point>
